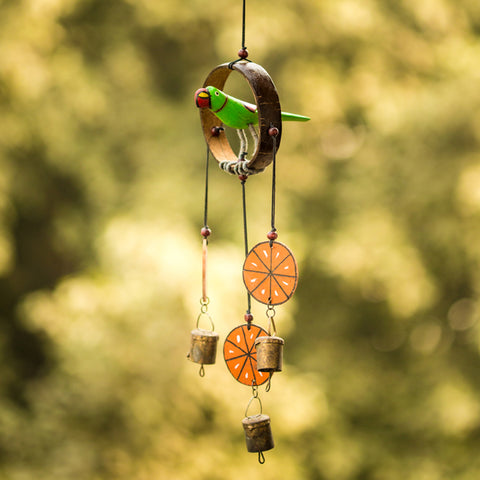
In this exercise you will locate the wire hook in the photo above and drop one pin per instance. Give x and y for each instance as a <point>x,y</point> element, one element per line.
<point>269,383</point>
<point>205,314</point>
<point>271,323</point>
<point>254,397</point>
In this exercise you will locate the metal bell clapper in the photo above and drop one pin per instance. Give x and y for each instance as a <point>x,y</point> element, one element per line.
<point>269,354</point>
<point>203,348</point>
<point>258,432</point>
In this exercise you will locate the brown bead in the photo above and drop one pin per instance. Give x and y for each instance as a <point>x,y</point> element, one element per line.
<point>243,178</point>
<point>216,131</point>
<point>205,232</point>
<point>273,131</point>
<point>248,317</point>
<point>272,235</point>
<point>243,53</point>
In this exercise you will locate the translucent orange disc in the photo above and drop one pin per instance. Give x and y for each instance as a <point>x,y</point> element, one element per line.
<point>241,355</point>
<point>270,273</point>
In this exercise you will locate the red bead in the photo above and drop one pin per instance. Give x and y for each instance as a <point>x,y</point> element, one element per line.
<point>248,317</point>
<point>243,178</point>
<point>273,131</point>
<point>272,235</point>
<point>205,231</point>
<point>243,53</point>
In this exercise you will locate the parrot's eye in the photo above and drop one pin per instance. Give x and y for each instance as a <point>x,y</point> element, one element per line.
<point>217,94</point>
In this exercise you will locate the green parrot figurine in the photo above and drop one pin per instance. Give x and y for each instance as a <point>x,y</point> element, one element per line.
<point>236,113</point>
<point>233,112</point>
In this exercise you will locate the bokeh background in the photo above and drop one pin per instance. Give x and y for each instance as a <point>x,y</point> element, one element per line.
<point>101,204</point>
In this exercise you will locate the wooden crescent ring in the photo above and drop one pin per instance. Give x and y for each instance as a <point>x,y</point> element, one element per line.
<point>269,114</point>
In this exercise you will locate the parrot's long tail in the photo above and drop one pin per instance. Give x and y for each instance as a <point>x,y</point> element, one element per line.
<point>293,117</point>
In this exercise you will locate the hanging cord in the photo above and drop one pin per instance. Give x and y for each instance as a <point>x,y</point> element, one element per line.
<point>243,24</point>
<point>274,181</point>
<point>204,301</point>
<point>273,132</point>
<point>243,52</point>
<point>243,179</point>
<point>205,210</point>
<point>272,236</point>
<point>205,232</point>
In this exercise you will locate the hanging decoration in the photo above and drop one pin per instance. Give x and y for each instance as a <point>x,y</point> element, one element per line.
<point>239,352</point>
<point>203,349</point>
<point>270,273</point>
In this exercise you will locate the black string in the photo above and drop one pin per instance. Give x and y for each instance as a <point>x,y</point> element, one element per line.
<point>244,205</point>
<point>274,181</point>
<point>244,48</point>
<point>205,210</point>
<point>245,236</point>
<point>243,25</point>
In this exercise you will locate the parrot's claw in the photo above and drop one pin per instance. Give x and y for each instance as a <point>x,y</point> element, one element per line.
<point>254,134</point>
<point>243,144</point>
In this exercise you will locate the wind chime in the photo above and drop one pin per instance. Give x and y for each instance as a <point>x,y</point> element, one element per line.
<point>270,273</point>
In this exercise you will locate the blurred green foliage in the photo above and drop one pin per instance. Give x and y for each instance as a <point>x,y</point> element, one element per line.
<point>101,192</point>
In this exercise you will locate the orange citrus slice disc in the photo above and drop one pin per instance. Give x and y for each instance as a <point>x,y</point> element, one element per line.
<point>241,355</point>
<point>270,273</point>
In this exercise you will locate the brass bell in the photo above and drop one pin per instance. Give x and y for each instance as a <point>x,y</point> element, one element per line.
<point>269,354</point>
<point>258,433</point>
<point>203,348</point>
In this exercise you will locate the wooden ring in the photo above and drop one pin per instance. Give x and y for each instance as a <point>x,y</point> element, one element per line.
<point>269,114</point>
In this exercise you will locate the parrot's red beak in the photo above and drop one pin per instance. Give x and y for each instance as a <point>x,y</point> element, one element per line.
<point>202,98</point>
